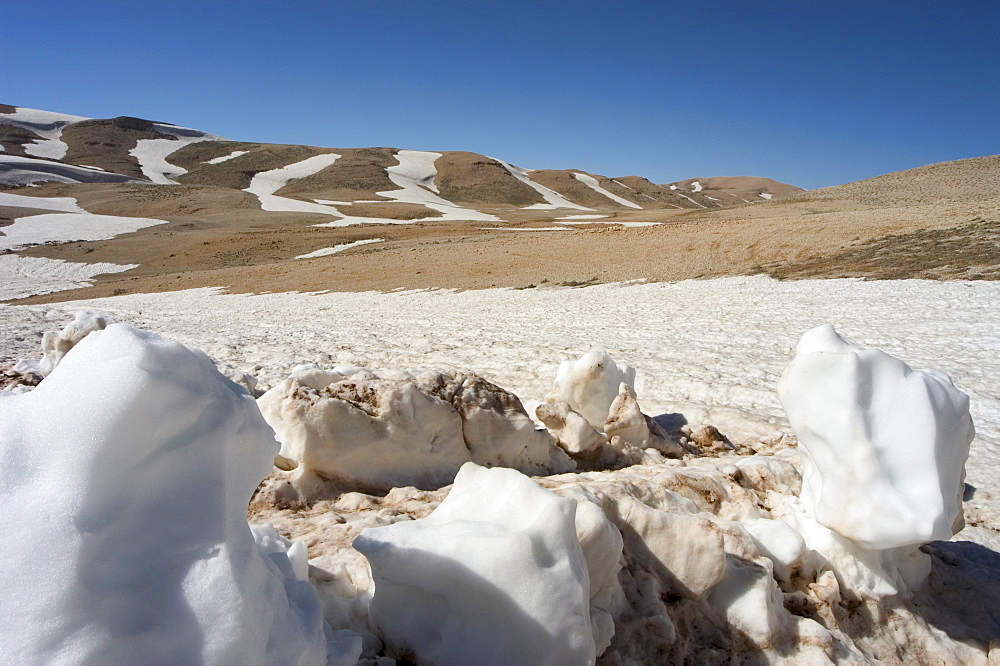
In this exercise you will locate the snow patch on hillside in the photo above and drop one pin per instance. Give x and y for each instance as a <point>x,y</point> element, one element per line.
<point>415,175</point>
<point>592,183</point>
<point>21,277</point>
<point>152,153</point>
<point>552,198</point>
<point>16,170</point>
<point>696,187</point>
<point>47,125</point>
<point>226,158</point>
<point>67,227</point>
<point>64,204</point>
<point>338,248</point>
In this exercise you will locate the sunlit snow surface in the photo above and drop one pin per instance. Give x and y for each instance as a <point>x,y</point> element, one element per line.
<point>338,248</point>
<point>552,198</point>
<point>152,153</point>
<point>47,124</point>
<point>711,350</point>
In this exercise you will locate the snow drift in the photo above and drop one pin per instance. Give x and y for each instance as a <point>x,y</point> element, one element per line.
<point>125,477</point>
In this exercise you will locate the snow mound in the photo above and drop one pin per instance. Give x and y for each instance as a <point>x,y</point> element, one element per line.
<point>126,476</point>
<point>590,384</point>
<point>883,450</point>
<point>373,431</point>
<point>496,571</point>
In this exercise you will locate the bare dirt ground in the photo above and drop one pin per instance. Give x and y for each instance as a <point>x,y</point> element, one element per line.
<point>940,222</point>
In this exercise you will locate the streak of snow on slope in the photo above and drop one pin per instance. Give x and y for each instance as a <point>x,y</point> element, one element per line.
<point>696,186</point>
<point>415,176</point>
<point>66,227</point>
<point>21,277</point>
<point>524,228</point>
<point>264,185</point>
<point>226,158</point>
<point>152,153</point>
<point>552,198</point>
<point>338,248</point>
<point>16,170</point>
<point>582,217</point>
<point>64,204</point>
<point>47,125</point>
<point>690,199</point>
<point>615,180</point>
<point>592,183</point>
<point>765,195</point>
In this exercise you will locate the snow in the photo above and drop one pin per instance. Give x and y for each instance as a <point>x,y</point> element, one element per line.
<point>16,170</point>
<point>590,384</point>
<point>696,186</point>
<point>525,228</point>
<point>265,183</point>
<point>582,217</point>
<point>690,199</point>
<point>711,541</point>
<point>765,195</point>
<point>47,125</point>
<point>152,154</point>
<point>396,429</point>
<point>126,478</point>
<point>21,277</point>
<point>67,227</point>
<point>552,198</point>
<point>339,248</point>
<point>415,176</point>
<point>226,158</point>
<point>673,187</point>
<point>496,571</point>
<point>64,204</point>
<point>592,183</point>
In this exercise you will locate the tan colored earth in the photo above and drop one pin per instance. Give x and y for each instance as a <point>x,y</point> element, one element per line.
<point>941,221</point>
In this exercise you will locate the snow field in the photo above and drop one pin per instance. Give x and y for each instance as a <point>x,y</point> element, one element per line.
<point>338,248</point>
<point>592,183</point>
<point>152,154</point>
<point>48,125</point>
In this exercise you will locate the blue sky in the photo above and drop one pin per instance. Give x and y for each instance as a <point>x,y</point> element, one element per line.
<point>812,92</point>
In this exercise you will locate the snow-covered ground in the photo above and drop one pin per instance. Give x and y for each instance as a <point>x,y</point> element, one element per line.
<point>16,170</point>
<point>226,158</point>
<point>711,350</point>
<point>47,124</point>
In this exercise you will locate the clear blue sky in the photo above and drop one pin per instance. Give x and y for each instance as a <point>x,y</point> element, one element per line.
<point>811,92</point>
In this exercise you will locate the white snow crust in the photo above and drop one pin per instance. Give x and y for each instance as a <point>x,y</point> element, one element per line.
<point>696,186</point>
<point>129,509</point>
<point>152,154</point>
<point>64,204</point>
<point>21,277</point>
<point>765,195</point>
<point>67,227</point>
<point>338,248</point>
<point>592,183</point>
<point>552,198</point>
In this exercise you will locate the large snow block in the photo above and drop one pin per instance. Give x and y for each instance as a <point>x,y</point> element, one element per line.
<point>496,575</point>
<point>883,446</point>
<point>124,483</point>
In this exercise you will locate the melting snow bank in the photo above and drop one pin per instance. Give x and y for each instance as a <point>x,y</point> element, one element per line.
<point>129,508</point>
<point>734,550</point>
<point>21,277</point>
<point>338,248</point>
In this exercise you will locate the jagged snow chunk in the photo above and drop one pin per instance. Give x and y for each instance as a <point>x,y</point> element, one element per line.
<point>125,477</point>
<point>592,183</point>
<point>56,345</point>
<point>883,446</point>
<point>589,385</point>
<point>495,575</point>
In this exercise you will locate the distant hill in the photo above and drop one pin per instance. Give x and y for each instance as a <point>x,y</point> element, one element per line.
<point>43,146</point>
